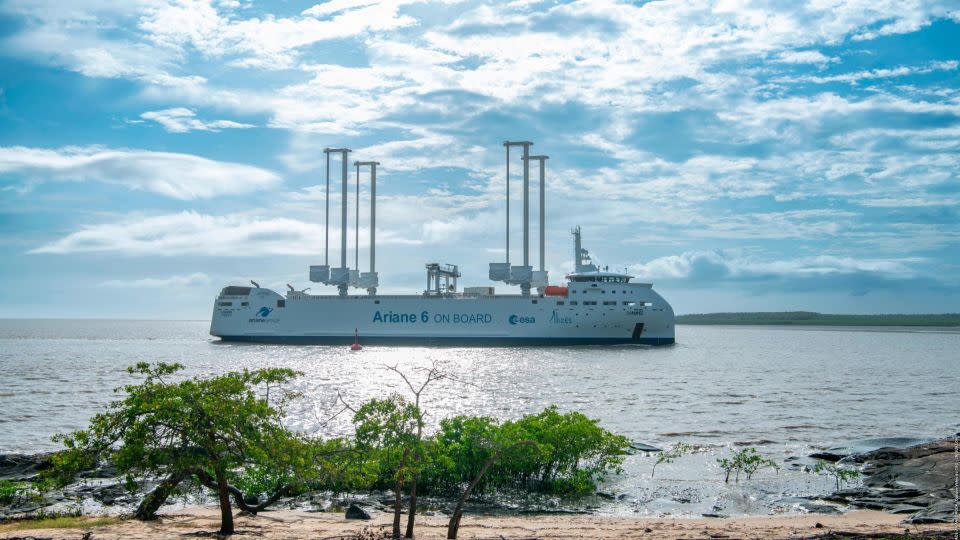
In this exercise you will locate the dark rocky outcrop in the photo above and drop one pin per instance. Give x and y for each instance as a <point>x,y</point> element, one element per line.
<point>356,512</point>
<point>918,480</point>
<point>864,447</point>
<point>19,467</point>
<point>641,447</point>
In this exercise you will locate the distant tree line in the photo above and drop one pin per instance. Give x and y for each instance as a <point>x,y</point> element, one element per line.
<point>822,319</point>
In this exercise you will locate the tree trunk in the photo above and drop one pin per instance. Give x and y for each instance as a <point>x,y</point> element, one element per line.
<point>226,513</point>
<point>397,506</point>
<point>147,510</point>
<point>411,517</point>
<point>454,525</point>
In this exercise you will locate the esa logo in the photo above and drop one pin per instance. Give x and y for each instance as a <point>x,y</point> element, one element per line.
<point>264,312</point>
<point>518,319</point>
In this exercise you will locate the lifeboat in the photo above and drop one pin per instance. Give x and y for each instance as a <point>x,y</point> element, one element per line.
<point>554,290</point>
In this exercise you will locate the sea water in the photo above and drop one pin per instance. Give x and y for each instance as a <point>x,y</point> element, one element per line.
<point>786,391</point>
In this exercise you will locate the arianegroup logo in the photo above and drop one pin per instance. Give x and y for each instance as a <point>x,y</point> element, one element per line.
<point>521,319</point>
<point>262,315</point>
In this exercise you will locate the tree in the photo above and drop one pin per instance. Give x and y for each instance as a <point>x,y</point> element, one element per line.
<point>207,429</point>
<point>841,474</point>
<point>747,461</point>
<point>433,374</point>
<point>453,526</point>
<point>387,430</point>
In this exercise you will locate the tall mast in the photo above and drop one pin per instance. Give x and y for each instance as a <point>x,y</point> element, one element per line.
<point>542,162</point>
<point>508,201</point>
<point>576,249</point>
<point>526,205</point>
<point>341,276</point>
<point>356,226</point>
<point>326,214</point>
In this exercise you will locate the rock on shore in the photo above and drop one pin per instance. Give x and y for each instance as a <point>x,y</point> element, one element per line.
<point>21,467</point>
<point>918,480</point>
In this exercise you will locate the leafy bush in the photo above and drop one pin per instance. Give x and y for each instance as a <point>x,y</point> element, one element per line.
<point>747,461</point>
<point>12,492</point>
<point>569,453</point>
<point>668,456</point>
<point>841,474</point>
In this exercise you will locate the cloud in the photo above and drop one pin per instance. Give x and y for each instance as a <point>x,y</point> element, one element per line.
<point>179,176</point>
<point>882,73</point>
<point>187,280</point>
<point>668,123</point>
<point>192,233</point>
<point>268,42</point>
<point>335,6</point>
<point>182,120</point>
<point>804,57</point>
<point>720,268</point>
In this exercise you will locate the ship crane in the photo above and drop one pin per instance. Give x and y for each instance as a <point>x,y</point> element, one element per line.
<point>448,273</point>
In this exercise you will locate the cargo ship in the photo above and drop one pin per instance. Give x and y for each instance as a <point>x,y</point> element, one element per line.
<point>592,306</point>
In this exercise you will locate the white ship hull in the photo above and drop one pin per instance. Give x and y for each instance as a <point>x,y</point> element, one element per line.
<point>628,313</point>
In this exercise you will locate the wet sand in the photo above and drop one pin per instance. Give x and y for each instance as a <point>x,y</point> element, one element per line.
<point>296,524</point>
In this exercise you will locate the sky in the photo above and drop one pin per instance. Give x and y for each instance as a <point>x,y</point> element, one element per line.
<point>741,156</point>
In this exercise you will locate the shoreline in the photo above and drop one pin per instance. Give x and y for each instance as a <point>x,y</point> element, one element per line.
<point>300,524</point>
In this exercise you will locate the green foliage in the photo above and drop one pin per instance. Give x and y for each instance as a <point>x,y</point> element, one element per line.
<point>386,431</point>
<point>12,492</point>
<point>841,474</point>
<point>226,430</point>
<point>161,427</point>
<point>668,456</point>
<point>462,446</point>
<point>569,455</point>
<point>747,461</point>
<point>209,428</point>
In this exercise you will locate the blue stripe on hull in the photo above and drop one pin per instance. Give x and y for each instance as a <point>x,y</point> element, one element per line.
<point>448,341</point>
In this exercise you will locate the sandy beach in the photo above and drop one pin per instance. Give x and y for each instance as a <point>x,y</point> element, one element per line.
<point>295,524</point>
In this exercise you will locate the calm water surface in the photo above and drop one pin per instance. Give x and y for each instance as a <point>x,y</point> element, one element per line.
<point>783,390</point>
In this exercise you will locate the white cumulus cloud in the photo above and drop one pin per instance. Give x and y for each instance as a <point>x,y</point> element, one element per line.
<point>179,176</point>
<point>182,120</point>
<point>192,233</point>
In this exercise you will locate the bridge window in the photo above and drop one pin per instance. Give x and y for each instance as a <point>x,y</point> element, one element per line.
<point>226,303</point>
<point>559,302</point>
<point>244,303</point>
<point>608,303</point>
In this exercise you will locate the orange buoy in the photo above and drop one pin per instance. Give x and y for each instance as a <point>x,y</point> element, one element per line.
<point>356,341</point>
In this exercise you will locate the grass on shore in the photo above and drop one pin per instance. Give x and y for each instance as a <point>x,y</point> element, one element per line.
<point>59,522</point>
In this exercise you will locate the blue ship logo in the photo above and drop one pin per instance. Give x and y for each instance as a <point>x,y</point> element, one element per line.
<point>521,319</point>
<point>264,312</point>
